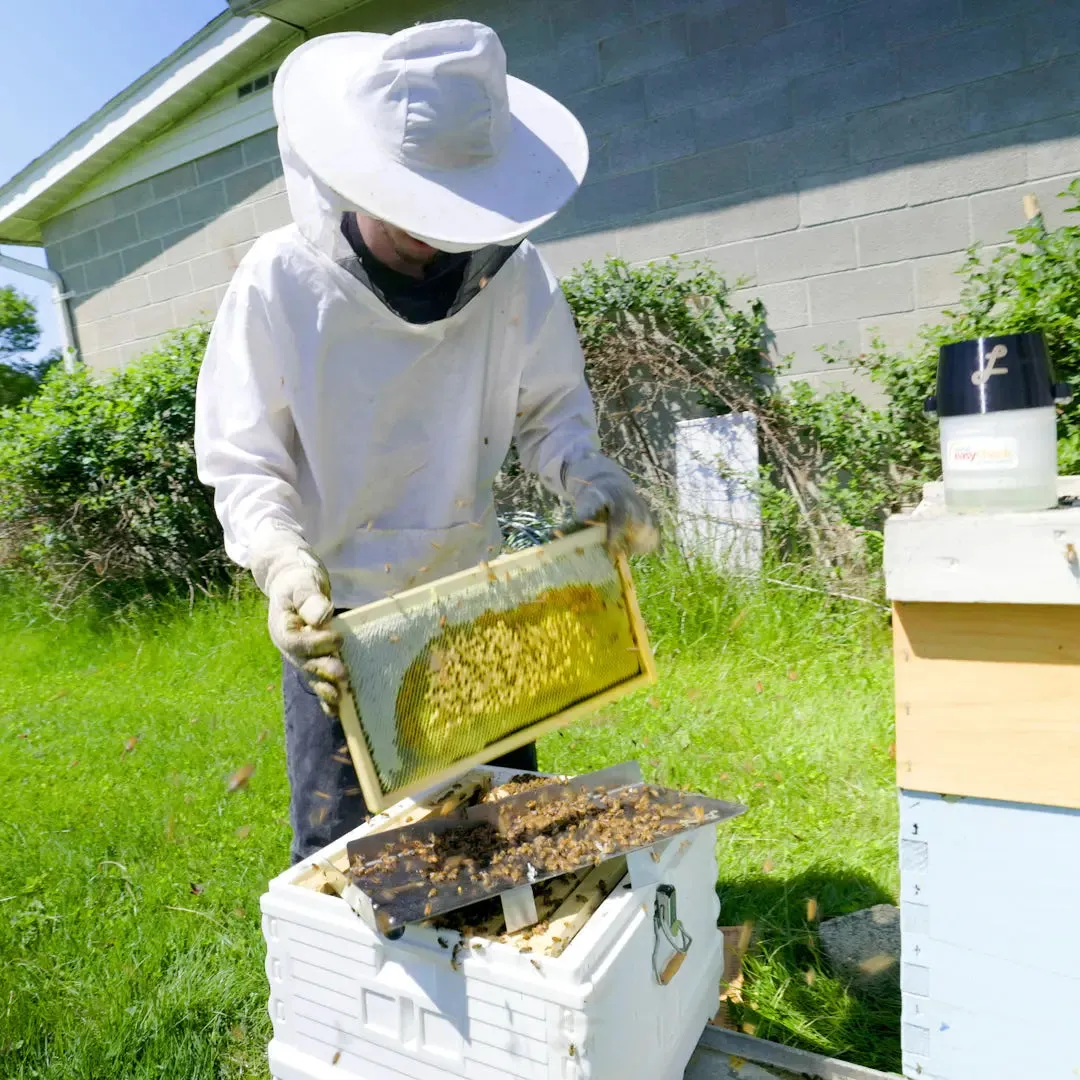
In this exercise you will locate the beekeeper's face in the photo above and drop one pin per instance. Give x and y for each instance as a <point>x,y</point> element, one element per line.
<point>407,247</point>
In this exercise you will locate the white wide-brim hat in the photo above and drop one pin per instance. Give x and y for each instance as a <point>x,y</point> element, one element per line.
<point>425,130</point>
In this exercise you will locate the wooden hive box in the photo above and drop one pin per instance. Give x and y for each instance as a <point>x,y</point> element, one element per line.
<point>986,629</point>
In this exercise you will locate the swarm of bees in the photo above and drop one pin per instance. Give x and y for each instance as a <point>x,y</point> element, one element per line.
<point>553,835</point>
<point>478,680</point>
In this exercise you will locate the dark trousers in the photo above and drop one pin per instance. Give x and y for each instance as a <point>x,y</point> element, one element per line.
<point>325,800</point>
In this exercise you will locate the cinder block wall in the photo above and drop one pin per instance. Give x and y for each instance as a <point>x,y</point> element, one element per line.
<point>159,254</point>
<point>841,155</point>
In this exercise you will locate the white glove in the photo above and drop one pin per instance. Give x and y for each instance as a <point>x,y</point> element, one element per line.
<point>298,587</point>
<point>599,490</point>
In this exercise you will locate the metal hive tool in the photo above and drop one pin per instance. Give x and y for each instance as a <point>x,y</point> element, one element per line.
<point>472,666</point>
<point>391,872</point>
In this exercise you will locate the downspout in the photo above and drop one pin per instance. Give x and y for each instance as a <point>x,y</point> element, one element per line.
<point>60,299</point>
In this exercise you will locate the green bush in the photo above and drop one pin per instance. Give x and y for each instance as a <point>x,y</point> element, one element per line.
<point>98,488</point>
<point>99,493</point>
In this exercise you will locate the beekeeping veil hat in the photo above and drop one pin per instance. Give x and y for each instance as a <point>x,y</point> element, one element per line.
<point>425,130</point>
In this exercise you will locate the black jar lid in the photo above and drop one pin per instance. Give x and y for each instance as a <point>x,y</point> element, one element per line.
<point>992,374</point>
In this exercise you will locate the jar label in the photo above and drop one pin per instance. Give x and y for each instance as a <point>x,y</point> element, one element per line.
<point>980,453</point>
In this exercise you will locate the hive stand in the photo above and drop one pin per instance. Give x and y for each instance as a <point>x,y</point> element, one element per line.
<point>986,632</point>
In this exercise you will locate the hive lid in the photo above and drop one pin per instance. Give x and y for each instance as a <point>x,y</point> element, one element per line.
<point>391,872</point>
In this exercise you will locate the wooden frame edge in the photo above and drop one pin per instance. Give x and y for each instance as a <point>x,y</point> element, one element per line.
<point>377,800</point>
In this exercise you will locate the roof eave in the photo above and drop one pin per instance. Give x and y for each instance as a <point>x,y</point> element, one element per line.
<point>201,66</point>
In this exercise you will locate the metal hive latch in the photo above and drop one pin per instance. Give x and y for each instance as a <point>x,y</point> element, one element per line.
<point>667,926</point>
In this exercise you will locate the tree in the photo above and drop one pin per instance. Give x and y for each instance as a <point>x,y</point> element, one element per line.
<point>19,334</point>
<point>19,330</point>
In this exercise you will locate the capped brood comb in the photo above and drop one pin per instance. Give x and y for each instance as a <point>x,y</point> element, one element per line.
<point>477,664</point>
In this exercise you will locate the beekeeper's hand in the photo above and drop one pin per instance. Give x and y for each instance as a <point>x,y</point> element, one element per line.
<point>298,587</point>
<point>599,491</point>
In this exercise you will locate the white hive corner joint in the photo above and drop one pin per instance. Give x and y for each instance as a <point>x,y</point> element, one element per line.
<point>932,556</point>
<point>346,1004</point>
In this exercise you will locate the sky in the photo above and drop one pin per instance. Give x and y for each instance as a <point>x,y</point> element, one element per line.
<point>63,59</point>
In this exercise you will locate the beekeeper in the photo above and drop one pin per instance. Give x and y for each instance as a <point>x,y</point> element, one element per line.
<point>371,363</point>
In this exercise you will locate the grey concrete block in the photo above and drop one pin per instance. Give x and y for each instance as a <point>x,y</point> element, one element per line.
<point>994,214</point>
<point>1053,147</point>
<point>692,82</point>
<point>562,73</point>
<point>966,173</point>
<point>734,262</point>
<point>643,48</point>
<point>804,150</point>
<point>187,243</point>
<point>233,227</point>
<point>865,946</point>
<point>734,24</point>
<point>1051,31</point>
<point>804,345</point>
<point>170,282</point>
<point>786,304</point>
<point>964,56</point>
<point>1024,97</point>
<point>936,280</point>
<point>800,10</point>
<point>74,278</point>
<point>121,232</point>
<point>745,218</point>
<point>216,267</point>
<point>101,273</point>
<point>796,50</point>
<point>182,178</point>
<point>575,23</point>
<point>88,336</point>
<point>806,252</point>
<point>850,193</point>
<point>202,203</point>
<point>253,181</point>
<point>261,147</point>
<point>609,107</point>
<point>92,307</point>
<point>531,35</point>
<point>890,331</point>
<point>220,163</point>
<point>841,91</point>
<point>704,176</point>
<point>197,306</point>
<point>913,231</point>
<point>650,142</point>
<point>615,199</point>
<point>142,256</point>
<point>862,294</point>
<point>871,27</point>
<point>115,331</point>
<point>564,256</point>
<point>159,220</point>
<point>733,120</point>
<point>272,213</point>
<point>661,236</point>
<point>79,248</point>
<point>90,215</point>
<point>128,200</point>
<point>154,319</point>
<point>128,294</point>
<point>912,124</point>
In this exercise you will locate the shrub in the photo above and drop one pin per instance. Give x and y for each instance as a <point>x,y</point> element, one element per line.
<point>98,488</point>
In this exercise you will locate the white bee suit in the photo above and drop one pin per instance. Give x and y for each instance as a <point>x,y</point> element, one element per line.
<point>377,440</point>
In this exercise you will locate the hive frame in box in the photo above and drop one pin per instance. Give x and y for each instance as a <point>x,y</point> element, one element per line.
<point>349,1005</point>
<point>378,800</point>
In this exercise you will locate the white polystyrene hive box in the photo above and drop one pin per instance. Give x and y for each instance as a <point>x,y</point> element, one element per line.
<point>346,1003</point>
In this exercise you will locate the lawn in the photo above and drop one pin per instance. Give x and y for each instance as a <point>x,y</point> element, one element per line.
<point>130,873</point>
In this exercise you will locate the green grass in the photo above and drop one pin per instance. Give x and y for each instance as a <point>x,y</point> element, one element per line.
<point>130,874</point>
